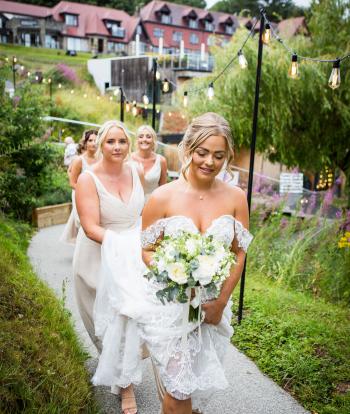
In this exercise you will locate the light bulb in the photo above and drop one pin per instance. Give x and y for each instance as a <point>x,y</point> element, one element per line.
<point>28,74</point>
<point>157,75</point>
<point>210,92</point>
<point>116,92</point>
<point>266,36</point>
<point>44,80</point>
<point>334,79</point>
<point>72,91</point>
<point>49,80</point>
<point>127,106</point>
<point>242,61</point>
<point>185,101</point>
<point>22,67</point>
<point>145,99</point>
<point>6,59</point>
<point>36,78</point>
<point>14,59</point>
<point>165,85</point>
<point>85,95</point>
<point>59,85</point>
<point>111,98</point>
<point>134,103</point>
<point>98,98</point>
<point>170,114</point>
<point>134,110</point>
<point>293,71</point>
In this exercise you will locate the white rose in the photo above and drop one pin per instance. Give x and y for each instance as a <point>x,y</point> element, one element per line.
<point>177,272</point>
<point>207,268</point>
<point>191,246</point>
<point>161,265</point>
<point>169,253</point>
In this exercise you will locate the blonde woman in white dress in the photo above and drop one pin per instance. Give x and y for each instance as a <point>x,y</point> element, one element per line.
<point>79,165</point>
<point>109,201</point>
<point>197,202</point>
<point>154,165</point>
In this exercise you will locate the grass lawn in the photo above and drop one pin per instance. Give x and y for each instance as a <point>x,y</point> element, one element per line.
<point>35,56</point>
<point>301,342</point>
<point>41,360</point>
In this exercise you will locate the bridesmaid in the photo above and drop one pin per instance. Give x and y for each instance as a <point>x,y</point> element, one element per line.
<point>154,165</point>
<point>84,162</point>
<point>109,197</point>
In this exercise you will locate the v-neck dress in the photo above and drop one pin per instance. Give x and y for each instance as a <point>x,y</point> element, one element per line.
<point>115,215</point>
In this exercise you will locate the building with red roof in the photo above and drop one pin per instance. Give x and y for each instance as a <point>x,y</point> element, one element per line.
<point>69,26</point>
<point>168,25</point>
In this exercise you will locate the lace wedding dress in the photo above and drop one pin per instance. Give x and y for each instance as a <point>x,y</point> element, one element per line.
<point>197,370</point>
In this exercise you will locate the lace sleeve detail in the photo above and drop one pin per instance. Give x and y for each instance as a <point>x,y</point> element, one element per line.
<point>243,236</point>
<point>150,235</point>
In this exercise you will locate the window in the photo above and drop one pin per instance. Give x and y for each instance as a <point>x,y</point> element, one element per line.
<point>115,47</point>
<point>193,24</point>
<point>165,18</point>
<point>177,36</point>
<point>158,32</point>
<point>209,26</point>
<point>211,41</point>
<point>115,29</point>
<point>229,29</point>
<point>71,20</point>
<point>75,43</point>
<point>194,40</point>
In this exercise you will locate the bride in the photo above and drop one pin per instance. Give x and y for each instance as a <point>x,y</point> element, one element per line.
<point>197,202</point>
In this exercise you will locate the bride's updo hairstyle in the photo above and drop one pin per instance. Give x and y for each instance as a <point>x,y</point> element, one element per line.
<point>103,131</point>
<point>200,129</point>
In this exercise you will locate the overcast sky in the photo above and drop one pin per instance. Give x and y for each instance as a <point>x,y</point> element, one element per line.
<point>298,2</point>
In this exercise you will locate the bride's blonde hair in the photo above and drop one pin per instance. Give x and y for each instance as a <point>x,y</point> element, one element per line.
<point>103,131</point>
<point>200,129</point>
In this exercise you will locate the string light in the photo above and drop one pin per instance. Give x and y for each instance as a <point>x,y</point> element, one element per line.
<point>145,99</point>
<point>266,36</point>
<point>293,72</point>
<point>116,92</point>
<point>111,98</point>
<point>165,85</point>
<point>22,67</point>
<point>242,61</point>
<point>210,92</point>
<point>37,78</point>
<point>157,75</point>
<point>169,113</point>
<point>59,85</point>
<point>334,79</point>
<point>85,95</point>
<point>134,110</point>
<point>127,106</point>
<point>185,101</point>
<point>98,97</point>
<point>72,91</point>
<point>28,74</point>
<point>14,59</point>
<point>6,59</point>
<point>49,80</point>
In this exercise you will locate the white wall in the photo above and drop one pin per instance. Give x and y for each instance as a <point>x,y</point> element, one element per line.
<point>100,69</point>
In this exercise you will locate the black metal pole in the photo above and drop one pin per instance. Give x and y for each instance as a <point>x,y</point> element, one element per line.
<point>14,60</point>
<point>154,92</point>
<point>252,153</point>
<point>121,104</point>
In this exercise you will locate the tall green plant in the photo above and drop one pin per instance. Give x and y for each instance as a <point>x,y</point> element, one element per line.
<point>301,122</point>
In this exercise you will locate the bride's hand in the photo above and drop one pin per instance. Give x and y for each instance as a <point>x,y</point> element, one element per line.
<point>213,311</point>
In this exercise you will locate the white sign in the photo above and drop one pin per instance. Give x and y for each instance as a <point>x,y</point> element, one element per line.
<point>291,183</point>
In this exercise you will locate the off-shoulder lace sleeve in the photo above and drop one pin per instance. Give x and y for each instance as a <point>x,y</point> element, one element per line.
<point>243,236</point>
<point>150,235</point>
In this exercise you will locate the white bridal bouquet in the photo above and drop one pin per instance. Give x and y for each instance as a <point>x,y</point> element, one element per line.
<point>190,261</point>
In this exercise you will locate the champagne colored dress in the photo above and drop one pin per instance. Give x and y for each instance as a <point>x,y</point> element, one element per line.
<point>71,228</point>
<point>116,216</point>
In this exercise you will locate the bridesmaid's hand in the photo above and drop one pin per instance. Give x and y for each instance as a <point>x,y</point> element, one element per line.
<point>213,311</point>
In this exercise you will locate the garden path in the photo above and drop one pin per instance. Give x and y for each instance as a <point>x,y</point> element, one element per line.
<point>250,392</point>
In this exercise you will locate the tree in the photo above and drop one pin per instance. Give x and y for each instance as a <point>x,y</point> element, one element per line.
<point>302,122</point>
<point>276,9</point>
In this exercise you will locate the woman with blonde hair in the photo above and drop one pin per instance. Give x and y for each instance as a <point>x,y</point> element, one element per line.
<point>154,165</point>
<point>79,164</point>
<point>198,203</point>
<point>109,200</point>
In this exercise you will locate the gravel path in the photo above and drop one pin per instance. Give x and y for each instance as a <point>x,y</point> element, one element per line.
<point>250,392</point>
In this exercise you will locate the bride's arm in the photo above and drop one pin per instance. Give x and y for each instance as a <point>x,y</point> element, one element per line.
<point>214,309</point>
<point>152,212</point>
<point>88,207</point>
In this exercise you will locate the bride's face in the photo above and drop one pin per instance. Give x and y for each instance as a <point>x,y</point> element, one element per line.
<point>209,157</point>
<point>116,145</point>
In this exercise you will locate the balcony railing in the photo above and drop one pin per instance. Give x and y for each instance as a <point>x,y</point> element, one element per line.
<point>191,61</point>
